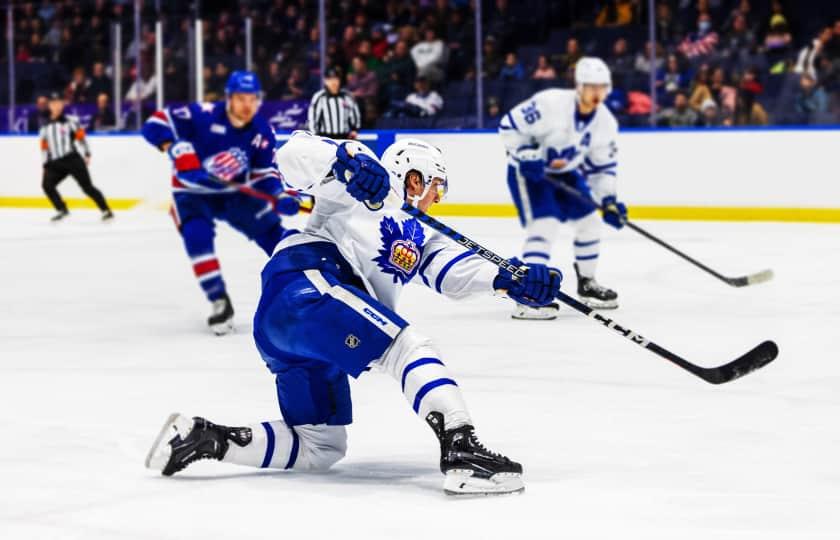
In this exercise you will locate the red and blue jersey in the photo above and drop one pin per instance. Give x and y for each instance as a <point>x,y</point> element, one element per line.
<point>204,139</point>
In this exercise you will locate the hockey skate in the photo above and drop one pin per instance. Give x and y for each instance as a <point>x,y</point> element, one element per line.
<point>594,294</point>
<point>60,215</point>
<point>107,216</point>
<point>221,318</point>
<point>530,313</point>
<point>183,441</point>
<point>470,468</point>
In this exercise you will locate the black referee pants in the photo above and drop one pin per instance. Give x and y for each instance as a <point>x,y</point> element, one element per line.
<point>58,169</point>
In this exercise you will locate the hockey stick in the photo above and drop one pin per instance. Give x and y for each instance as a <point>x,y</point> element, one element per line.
<point>741,281</point>
<point>257,194</point>
<point>755,359</point>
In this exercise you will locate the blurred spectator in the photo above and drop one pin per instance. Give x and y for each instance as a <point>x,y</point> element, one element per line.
<point>362,83</point>
<point>702,42</point>
<point>810,100</point>
<point>144,88</point>
<point>38,116</point>
<point>218,79</point>
<point>806,61</point>
<point>430,56</point>
<point>544,70</point>
<point>642,63</point>
<point>709,114</point>
<point>493,114</point>
<point>721,91</point>
<point>700,91</point>
<point>680,115</point>
<point>427,101</point>
<point>492,59</point>
<point>832,48</point>
<point>77,91</point>
<point>99,83</point>
<point>512,70</point>
<point>738,44</point>
<point>295,84</point>
<point>750,82</point>
<point>568,59</point>
<point>748,111</point>
<point>668,29</point>
<point>777,43</point>
<point>618,13</point>
<point>397,73</point>
<point>620,60</point>
<point>671,79</point>
<point>273,82</point>
<point>333,112</point>
<point>104,119</point>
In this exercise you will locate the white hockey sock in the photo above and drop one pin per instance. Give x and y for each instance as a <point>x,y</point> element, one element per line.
<point>540,234</point>
<point>426,382</point>
<point>276,445</point>
<point>587,244</point>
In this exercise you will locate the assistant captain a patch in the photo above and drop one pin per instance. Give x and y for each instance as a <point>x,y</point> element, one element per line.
<point>402,248</point>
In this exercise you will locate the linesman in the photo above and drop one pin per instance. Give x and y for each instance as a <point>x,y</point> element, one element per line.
<point>63,144</point>
<point>333,112</point>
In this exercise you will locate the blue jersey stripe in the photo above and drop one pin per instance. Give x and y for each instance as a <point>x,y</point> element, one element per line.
<point>295,448</point>
<point>540,254</point>
<point>417,364</point>
<point>586,257</point>
<point>509,117</point>
<point>426,264</point>
<point>536,239</point>
<point>449,265</point>
<point>585,244</point>
<point>269,445</point>
<point>428,387</point>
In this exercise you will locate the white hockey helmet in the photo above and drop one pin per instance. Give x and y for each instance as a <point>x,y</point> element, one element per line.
<point>592,70</point>
<point>416,155</point>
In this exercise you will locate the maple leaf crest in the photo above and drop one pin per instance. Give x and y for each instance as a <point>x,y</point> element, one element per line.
<point>402,248</point>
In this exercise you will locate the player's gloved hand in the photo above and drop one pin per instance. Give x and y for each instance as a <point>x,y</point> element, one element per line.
<point>531,165</point>
<point>366,179</point>
<point>538,288</point>
<point>188,169</point>
<point>615,213</point>
<point>286,205</point>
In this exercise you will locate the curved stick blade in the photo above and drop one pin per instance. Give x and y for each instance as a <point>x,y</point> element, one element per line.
<point>755,359</point>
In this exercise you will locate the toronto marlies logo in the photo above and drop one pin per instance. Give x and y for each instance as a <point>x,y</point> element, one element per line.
<point>402,247</point>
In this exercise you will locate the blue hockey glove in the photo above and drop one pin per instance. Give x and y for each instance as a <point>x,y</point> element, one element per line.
<point>538,288</point>
<point>188,169</point>
<point>531,165</point>
<point>615,213</point>
<point>366,179</point>
<point>286,205</point>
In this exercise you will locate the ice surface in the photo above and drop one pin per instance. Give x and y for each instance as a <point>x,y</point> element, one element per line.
<point>102,335</point>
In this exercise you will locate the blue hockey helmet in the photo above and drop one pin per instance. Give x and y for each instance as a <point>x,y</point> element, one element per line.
<point>243,82</point>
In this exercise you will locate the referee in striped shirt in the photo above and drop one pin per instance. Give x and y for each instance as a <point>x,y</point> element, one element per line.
<point>333,112</point>
<point>62,146</point>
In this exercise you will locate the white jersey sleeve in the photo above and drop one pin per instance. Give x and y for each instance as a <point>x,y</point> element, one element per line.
<point>528,123</point>
<point>454,272</point>
<point>601,161</point>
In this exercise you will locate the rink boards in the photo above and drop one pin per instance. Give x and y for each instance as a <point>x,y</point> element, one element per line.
<point>721,175</point>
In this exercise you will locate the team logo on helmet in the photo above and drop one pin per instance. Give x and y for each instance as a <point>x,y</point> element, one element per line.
<point>402,248</point>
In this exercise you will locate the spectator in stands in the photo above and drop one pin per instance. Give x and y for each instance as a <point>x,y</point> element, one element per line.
<point>397,73</point>
<point>38,52</point>
<point>806,61</point>
<point>680,115</point>
<point>544,70</point>
<point>748,111</point>
<point>38,116</point>
<point>832,48</point>
<point>642,63</point>
<point>77,91</point>
<point>620,61</point>
<point>104,119</point>
<point>100,82</point>
<point>362,83</point>
<point>294,88</point>
<point>273,82</point>
<point>668,29</point>
<point>750,82</point>
<point>700,92</point>
<point>701,43</point>
<point>671,79</point>
<point>365,53</point>
<point>493,114</point>
<point>709,114</point>
<point>568,60</point>
<point>811,100</point>
<point>738,44</point>
<point>777,43</point>
<point>426,101</point>
<point>492,59</point>
<point>618,13</point>
<point>721,91</point>
<point>430,56</point>
<point>144,88</point>
<point>512,70</point>
<point>744,9</point>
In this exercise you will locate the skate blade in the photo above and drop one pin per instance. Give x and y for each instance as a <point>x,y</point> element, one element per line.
<point>220,329</point>
<point>463,483</point>
<point>599,304</point>
<point>161,451</point>
<point>527,313</point>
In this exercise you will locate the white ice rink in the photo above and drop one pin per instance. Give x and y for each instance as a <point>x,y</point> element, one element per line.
<point>102,335</point>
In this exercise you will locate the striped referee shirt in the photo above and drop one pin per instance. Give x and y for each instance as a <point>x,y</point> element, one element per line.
<point>333,115</point>
<point>62,137</point>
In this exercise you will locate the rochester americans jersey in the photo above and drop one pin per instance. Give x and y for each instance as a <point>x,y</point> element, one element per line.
<point>242,155</point>
<point>549,122</point>
<point>386,248</point>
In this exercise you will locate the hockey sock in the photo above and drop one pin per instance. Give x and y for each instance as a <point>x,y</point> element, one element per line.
<point>276,445</point>
<point>540,234</point>
<point>209,275</point>
<point>587,244</point>
<point>425,380</point>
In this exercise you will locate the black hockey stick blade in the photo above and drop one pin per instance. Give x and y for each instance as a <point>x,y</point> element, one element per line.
<point>752,279</point>
<point>755,359</point>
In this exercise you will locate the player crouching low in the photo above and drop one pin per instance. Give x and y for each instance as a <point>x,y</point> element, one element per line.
<point>566,137</point>
<point>328,311</point>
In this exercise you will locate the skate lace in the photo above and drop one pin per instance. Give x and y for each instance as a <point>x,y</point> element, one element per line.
<point>594,286</point>
<point>478,444</point>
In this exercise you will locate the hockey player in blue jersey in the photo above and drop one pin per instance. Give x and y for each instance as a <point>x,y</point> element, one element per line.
<point>213,147</point>
<point>328,311</point>
<point>571,137</point>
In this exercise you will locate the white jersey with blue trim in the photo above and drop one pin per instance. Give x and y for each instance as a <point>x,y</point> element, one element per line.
<point>387,248</point>
<point>550,122</point>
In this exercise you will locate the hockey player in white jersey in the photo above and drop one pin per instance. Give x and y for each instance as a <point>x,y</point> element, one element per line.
<point>328,310</point>
<point>570,137</point>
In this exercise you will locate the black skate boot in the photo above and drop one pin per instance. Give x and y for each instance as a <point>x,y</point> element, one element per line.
<point>107,215</point>
<point>182,441</point>
<point>469,467</point>
<point>593,294</point>
<point>221,319</point>
<point>61,214</point>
